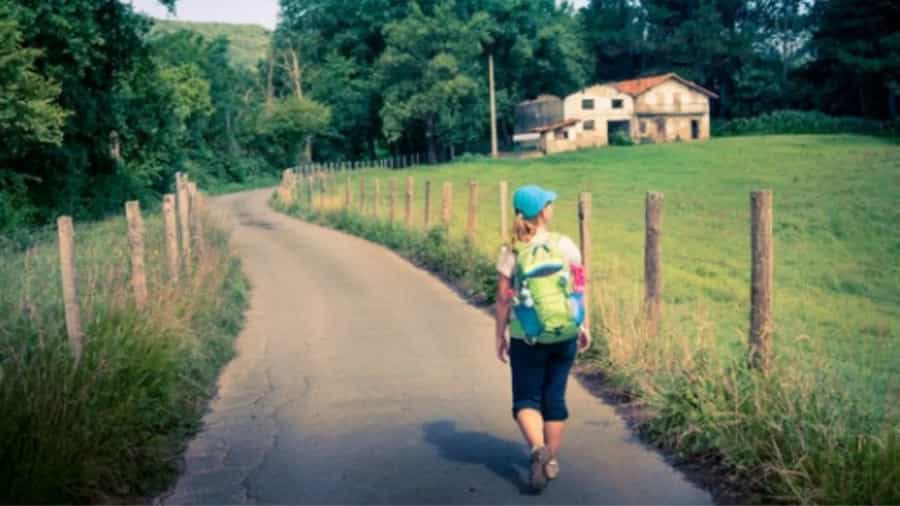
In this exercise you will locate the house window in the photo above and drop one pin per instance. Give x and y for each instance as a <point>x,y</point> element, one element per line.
<point>618,103</point>
<point>561,134</point>
<point>587,104</point>
<point>589,124</point>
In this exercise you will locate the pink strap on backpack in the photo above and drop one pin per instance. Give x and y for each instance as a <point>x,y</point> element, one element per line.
<point>577,277</point>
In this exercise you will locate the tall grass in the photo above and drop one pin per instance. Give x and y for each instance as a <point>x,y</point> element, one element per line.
<point>799,434</point>
<point>794,433</point>
<point>112,427</point>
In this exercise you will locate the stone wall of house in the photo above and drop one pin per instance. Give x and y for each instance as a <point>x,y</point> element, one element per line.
<point>666,113</point>
<point>603,111</point>
<point>559,141</point>
<point>670,128</point>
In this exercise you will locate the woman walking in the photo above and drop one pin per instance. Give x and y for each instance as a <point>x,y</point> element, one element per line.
<point>539,316</point>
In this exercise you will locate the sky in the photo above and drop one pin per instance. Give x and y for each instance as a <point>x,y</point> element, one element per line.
<point>257,12</point>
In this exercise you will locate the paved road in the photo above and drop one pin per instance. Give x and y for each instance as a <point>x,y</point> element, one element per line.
<point>362,379</point>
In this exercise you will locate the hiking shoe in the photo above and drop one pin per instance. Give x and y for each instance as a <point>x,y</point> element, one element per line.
<point>539,459</point>
<point>552,469</point>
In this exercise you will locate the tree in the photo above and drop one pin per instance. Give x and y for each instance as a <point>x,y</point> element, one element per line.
<point>222,101</point>
<point>30,118</point>
<point>190,91</point>
<point>537,49</point>
<point>613,32</point>
<point>338,44</point>
<point>857,48</point>
<point>429,73</point>
<point>289,122</point>
<point>91,48</point>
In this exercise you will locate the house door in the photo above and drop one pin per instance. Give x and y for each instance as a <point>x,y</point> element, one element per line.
<point>661,129</point>
<point>695,129</point>
<point>618,132</point>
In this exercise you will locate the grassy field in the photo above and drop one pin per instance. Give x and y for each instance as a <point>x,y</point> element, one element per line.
<point>837,293</point>
<point>112,428</point>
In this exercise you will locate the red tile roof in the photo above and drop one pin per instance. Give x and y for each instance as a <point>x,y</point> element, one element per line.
<point>636,87</point>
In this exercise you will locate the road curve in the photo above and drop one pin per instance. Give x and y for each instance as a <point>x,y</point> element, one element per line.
<point>362,379</point>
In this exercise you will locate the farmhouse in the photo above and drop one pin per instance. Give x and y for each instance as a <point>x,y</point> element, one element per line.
<point>660,108</point>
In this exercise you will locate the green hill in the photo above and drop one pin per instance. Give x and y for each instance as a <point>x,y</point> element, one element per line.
<point>249,43</point>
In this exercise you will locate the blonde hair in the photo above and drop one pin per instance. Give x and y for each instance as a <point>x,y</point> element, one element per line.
<point>524,229</point>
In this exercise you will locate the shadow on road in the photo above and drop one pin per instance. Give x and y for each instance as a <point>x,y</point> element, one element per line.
<point>500,456</point>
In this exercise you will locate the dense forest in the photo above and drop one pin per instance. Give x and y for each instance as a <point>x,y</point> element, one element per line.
<point>97,106</point>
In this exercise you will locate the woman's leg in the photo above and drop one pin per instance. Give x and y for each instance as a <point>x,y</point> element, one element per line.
<point>553,433</point>
<point>527,364</point>
<point>553,406</point>
<point>531,423</point>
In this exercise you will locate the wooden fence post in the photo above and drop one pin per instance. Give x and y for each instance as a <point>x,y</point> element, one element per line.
<point>427,204</point>
<point>136,241</point>
<point>472,222</point>
<point>348,194</point>
<point>762,275</point>
<point>504,212</point>
<point>409,199</point>
<point>584,229</point>
<point>70,290</point>
<point>321,192</point>
<point>362,194</point>
<point>297,187</point>
<point>171,224</point>
<point>392,184</point>
<point>446,202</point>
<point>377,196</point>
<point>653,276</point>
<point>284,190</point>
<point>196,213</point>
<point>184,217</point>
<point>309,191</point>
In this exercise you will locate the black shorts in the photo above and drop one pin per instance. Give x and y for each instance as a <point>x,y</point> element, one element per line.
<point>539,376</point>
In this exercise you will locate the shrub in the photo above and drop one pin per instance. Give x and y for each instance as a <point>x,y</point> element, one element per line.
<point>803,122</point>
<point>621,138</point>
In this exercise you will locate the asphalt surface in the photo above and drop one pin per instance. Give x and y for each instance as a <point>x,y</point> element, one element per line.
<point>360,378</point>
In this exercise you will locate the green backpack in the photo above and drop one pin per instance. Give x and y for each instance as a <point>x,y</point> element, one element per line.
<point>545,305</point>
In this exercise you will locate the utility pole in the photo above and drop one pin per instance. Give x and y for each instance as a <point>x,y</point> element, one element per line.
<point>494,152</point>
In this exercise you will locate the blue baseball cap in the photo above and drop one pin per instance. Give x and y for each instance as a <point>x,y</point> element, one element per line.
<point>531,200</point>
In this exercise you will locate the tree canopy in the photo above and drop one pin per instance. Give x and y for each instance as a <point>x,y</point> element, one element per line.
<point>95,110</point>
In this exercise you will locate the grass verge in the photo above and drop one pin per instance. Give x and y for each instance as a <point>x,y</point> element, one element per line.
<point>113,427</point>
